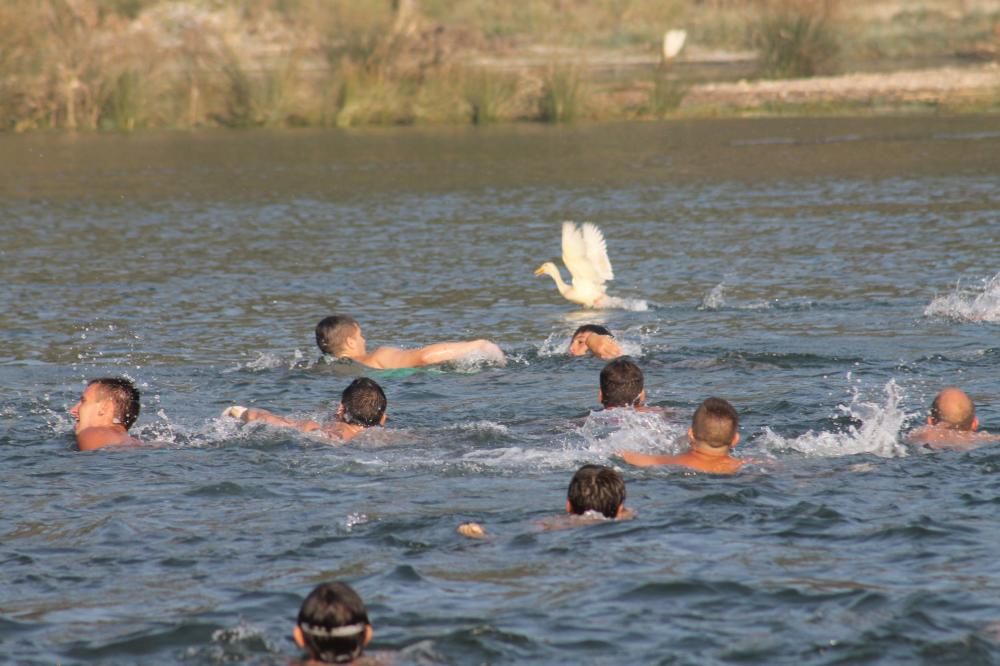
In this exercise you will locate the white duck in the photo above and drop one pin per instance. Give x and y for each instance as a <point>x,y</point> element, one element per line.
<point>586,257</point>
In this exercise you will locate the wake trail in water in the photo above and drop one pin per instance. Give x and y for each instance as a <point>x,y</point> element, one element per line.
<point>877,434</point>
<point>974,305</point>
<point>616,303</point>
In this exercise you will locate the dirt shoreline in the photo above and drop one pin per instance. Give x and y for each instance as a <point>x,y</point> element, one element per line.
<point>935,86</point>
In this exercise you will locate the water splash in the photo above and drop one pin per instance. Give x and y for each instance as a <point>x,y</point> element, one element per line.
<point>969,304</point>
<point>268,361</point>
<point>714,299</point>
<point>478,360</point>
<point>878,432</point>
<point>615,303</point>
<point>555,345</point>
<point>607,432</point>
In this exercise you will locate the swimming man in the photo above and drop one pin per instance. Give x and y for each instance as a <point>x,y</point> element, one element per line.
<point>362,406</point>
<point>952,423</point>
<point>713,433</point>
<point>332,625</point>
<point>340,336</point>
<point>622,386</point>
<point>596,493</point>
<point>106,410</point>
<point>595,339</point>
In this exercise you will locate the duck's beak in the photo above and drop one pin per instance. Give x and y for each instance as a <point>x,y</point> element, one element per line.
<point>540,270</point>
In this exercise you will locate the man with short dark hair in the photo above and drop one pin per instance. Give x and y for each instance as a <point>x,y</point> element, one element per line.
<point>952,423</point>
<point>621,385</point>
<point>340,336</point>
<point>332,625</point>
<point>713,433</point>
<point>596,488</point>
<point>596,493</point>
<point>106,410</point>
<point>362,405</point>
<point>595,339</point>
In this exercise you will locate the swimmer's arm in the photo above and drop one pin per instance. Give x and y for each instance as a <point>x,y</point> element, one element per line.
<point>442,352</point>
<point>603,346</point>
<point>255,414</point>
<point>645,459</point>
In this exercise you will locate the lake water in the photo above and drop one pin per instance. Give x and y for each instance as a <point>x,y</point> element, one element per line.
<point>825,276</point>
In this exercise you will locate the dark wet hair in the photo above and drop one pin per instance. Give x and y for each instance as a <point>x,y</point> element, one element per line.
<point>715,422</point>
<point>593,328</point>
<point>596,488</point>
<point>333,620</point>
<point>621,383</point>
<point>364,402</point>
<point>123,394</point>
<point>333,331</point>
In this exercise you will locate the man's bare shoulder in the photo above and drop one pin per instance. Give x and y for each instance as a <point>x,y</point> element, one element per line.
<point>339,432</point>
<point>935,437</point>
<point>565,521</point>
<point>99,437</point>
<point>385,358</point>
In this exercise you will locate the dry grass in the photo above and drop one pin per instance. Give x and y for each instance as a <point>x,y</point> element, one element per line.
<point>130,64</point>
<point>797,38</point>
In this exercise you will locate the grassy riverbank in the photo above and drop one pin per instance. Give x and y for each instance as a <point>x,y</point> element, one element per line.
<point>131,64</point>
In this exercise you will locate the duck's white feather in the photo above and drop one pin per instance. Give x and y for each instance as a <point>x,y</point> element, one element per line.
<point>585,255</point>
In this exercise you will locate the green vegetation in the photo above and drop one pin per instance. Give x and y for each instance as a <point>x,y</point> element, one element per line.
<point>797,38</point>
<point>666,94</point>
<point>124,65</point>
<point>561,99</point>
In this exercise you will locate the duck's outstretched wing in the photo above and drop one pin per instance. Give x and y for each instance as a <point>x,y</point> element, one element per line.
<point>586,254</point>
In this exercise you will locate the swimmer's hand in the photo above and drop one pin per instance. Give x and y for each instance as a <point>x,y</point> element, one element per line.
<point>235,412</point>
<point>472,530</point>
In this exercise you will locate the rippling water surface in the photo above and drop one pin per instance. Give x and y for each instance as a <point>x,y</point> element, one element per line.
<point>825,276</point>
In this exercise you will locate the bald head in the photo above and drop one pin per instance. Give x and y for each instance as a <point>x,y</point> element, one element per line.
<point>952,408</point>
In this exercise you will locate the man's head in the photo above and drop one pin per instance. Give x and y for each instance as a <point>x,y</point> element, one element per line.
<point>715,424</point>
<point>621,384</point>
<point>596,488</point>
<point>333,624</point>
<point>339,335</point>
<point>953,409</point>
<point>107,401</point>
<point>363,403</point>
<point>578,344</point>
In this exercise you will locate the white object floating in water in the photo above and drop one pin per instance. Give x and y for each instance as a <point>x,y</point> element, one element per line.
<point>586,257</point>
<point>673,42</point>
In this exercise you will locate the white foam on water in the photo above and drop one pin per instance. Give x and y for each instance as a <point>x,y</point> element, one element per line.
<point>964,304</point>
<point>270,361</point>
<point>616,303</point>
<point>878,434</point>
<point>714,299</point>
<point>354,519</point>
<point>484,427</point>
<point>556,344</point>
<point>609,431</point>
<point>237,634</point>
<point>476,361</point>
<point>600,437</point>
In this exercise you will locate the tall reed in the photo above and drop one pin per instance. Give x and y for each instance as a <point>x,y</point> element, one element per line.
<point>561,98</point>
<point>797,38</point>
<point>489,95</point>
<point>666,93</point>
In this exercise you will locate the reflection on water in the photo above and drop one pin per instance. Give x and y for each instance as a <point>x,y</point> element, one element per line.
<point>825,276</point>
